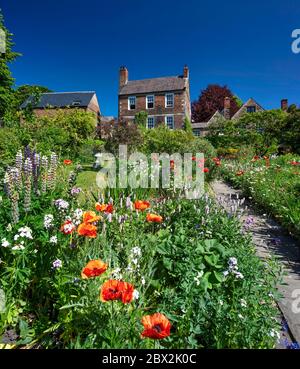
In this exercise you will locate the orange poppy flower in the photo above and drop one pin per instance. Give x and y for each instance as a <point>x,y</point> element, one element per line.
<point>67,162</point>
<point>141,205</point>
<point>156,326</point>
<point>240,173</point>
<point>106,208</point>
<point>116,290</point>
<point>68,227</point>
<point>93,268</point>
<point>87,229</point>
<point>90,217</point>
<point>153,218</point>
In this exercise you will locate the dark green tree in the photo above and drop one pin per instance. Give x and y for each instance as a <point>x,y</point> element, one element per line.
<point>6,79</point>
<point>187,125</point>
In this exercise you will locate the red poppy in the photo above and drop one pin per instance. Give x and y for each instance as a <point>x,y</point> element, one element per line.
<point>94,268</point>
<point>239,173</point>
<point>153,218</point>
<point>205,170</point>
<point>68,227</point>
<point>295,162</point>
<point>172,164</point>
<point>87,229</point>
<point>67,162</point>
<point>156,326</point>
<point>106,208</point>
<point>194,158</point>
<point>116,290</point>
<point>90,217</point>
<point>141,205</point>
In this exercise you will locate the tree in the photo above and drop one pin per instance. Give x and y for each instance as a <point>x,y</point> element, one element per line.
<point>187,126</point>
<point>140,119</point>
<point>210,100</point>
<point>6,79</point>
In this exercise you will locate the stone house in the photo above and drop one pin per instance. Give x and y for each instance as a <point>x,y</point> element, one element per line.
<point>250,106</point>
<point>50,102</point>
<point>166,100</point>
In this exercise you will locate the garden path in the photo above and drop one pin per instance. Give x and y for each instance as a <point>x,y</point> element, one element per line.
<point>270,239</point>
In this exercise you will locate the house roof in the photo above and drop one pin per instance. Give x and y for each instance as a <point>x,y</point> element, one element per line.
<point>61,99</point>
<point>199,125</point>
<point>153,85</point>
<point>249,102</point>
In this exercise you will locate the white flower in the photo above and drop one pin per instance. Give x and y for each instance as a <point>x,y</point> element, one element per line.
<point>274,333</point>
<point>226,273</point>
<point>243,303</point>
<point>221,302</point>
<point>57,264</point>
<point>135,294</point>
<point>53,239</point>
<point>24,232</point>
<point>4,242</point>
<point>18,247</point>
<point>198,277</point>
<point>240,316</point>
<point>61,204</point>
<point>143,281</point>
<point>9,228</point>
<point>135,261</point>
<point>239,275</point>
<point>48,221</point>
<point>16,237</point>
<point>136,251</point>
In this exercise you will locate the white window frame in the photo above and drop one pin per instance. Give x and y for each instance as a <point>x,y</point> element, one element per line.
<point>131,97</point>
<point>147,107</point>
<point>152,117</point>
<point>166,121</point>
<point>166,100</point>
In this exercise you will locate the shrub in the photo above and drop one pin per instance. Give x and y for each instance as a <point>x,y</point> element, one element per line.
<point>65,132</point>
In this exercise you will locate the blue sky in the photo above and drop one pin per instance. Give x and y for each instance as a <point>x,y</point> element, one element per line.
<point>76,45</point>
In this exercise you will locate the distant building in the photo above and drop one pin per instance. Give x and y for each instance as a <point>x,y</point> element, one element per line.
<point>166,100</point>
<point>51,101</point>
<point>251,106</point>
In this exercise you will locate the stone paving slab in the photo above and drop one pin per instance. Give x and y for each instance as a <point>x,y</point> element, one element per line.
<point>270,239</point>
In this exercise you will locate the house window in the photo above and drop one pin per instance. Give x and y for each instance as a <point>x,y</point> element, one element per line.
<point>131,102</point>
<point>170,121</point>
<point>150,102</point>
<point>251,109</point>
<point>196,132</point>
<point>169,100</point>
<point>150,122</point>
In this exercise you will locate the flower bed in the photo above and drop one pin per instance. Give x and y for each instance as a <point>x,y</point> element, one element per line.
<point>273,183</point>
<point>127,269</point>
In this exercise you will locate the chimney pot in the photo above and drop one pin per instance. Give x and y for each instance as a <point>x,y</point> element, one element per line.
<point>284,104</point>
<point>186,72</point>
<point>123,76</point>
<point>227,103</point>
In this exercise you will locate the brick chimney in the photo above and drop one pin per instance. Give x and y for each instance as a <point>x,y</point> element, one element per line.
<point>123,76</point>
<point>284,104</point>
<point>186,72</point>
<point>227,108</point>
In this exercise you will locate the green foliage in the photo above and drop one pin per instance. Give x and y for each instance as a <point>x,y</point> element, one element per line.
<point>273,185</point>
<point>140,119</point>
<point>291,135</point>
<point>6,79</point>
<point>176,266</point>
<point>261,129</point>
<point>187,125</point>
<point>64,132</point>
<point>124,133</point>
<point>162,139</point>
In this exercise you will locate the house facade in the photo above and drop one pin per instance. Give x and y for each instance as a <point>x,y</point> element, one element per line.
<point>166,100</point>
<point>50,102</point>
